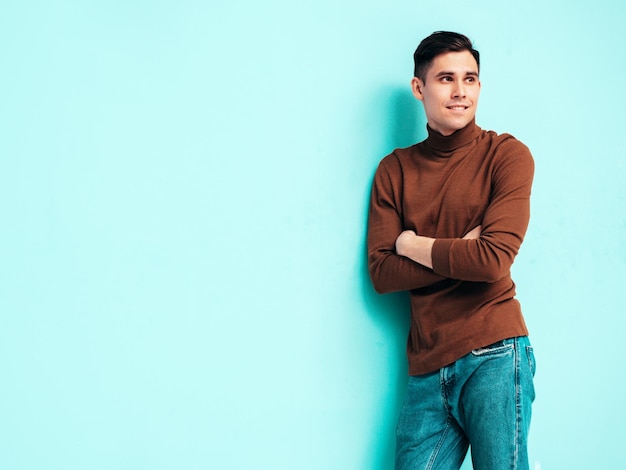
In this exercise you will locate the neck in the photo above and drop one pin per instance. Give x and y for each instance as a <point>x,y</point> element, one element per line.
<point>444,144</point>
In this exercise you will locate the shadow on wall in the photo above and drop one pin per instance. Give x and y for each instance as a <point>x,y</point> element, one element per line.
<point>403,127</point>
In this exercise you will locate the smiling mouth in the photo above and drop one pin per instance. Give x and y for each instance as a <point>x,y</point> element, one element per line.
<point>458,107</point>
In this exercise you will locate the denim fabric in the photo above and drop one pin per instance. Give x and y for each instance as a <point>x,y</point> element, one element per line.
<point>482,400</point>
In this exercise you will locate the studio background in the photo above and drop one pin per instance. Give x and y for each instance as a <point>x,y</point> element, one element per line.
<point>184,190</point>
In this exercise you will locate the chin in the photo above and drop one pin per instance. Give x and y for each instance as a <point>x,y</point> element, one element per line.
<point>460,125</point>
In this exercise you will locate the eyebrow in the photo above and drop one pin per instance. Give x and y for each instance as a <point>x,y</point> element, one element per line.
<point>445,73</point>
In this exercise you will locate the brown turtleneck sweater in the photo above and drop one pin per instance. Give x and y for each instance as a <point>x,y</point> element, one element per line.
<point>442,188</point>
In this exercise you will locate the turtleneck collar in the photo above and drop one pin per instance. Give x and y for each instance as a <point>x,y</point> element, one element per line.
<point>444,146</point>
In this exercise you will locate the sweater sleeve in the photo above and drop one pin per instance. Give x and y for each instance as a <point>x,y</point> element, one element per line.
<point>504,224</point>
<point>389,271</point>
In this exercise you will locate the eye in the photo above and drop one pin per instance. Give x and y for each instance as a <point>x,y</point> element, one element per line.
<point>446,78</point>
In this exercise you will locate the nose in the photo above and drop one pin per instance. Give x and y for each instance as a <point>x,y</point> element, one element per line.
<point>459,90</point>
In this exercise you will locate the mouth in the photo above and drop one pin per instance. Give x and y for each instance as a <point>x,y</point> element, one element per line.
<point>458,107</point>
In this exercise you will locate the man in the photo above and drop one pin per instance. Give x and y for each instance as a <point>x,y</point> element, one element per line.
<point>447,218</point>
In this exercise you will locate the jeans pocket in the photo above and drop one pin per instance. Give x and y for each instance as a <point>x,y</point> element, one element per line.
<point>500,347</point>
<point>530,353</point>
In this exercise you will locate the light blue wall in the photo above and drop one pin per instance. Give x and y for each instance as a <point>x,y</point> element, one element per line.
<point>183,191</point>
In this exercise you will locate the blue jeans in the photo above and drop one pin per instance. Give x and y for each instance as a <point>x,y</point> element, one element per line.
<point>482,400</point>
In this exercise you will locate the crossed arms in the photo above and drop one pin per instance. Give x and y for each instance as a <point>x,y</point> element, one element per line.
<point>401,259</point>
<point>420,249</point>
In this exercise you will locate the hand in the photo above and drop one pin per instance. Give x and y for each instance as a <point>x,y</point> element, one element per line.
<point>415,247</point>
<point>474,233</point>
<point>404,241</point>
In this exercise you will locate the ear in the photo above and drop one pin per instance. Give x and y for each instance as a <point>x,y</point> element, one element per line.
<point>416,87</point>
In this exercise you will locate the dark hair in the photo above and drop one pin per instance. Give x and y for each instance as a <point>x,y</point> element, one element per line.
<point>438,43</point>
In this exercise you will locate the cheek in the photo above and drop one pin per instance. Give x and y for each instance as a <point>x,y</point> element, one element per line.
<point>431,104</point>
<point>432,112</point>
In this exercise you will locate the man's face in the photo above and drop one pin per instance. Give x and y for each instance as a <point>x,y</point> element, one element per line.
<point>450,91</point>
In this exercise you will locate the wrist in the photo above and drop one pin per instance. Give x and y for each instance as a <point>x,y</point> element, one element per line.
<point>424,251</point>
